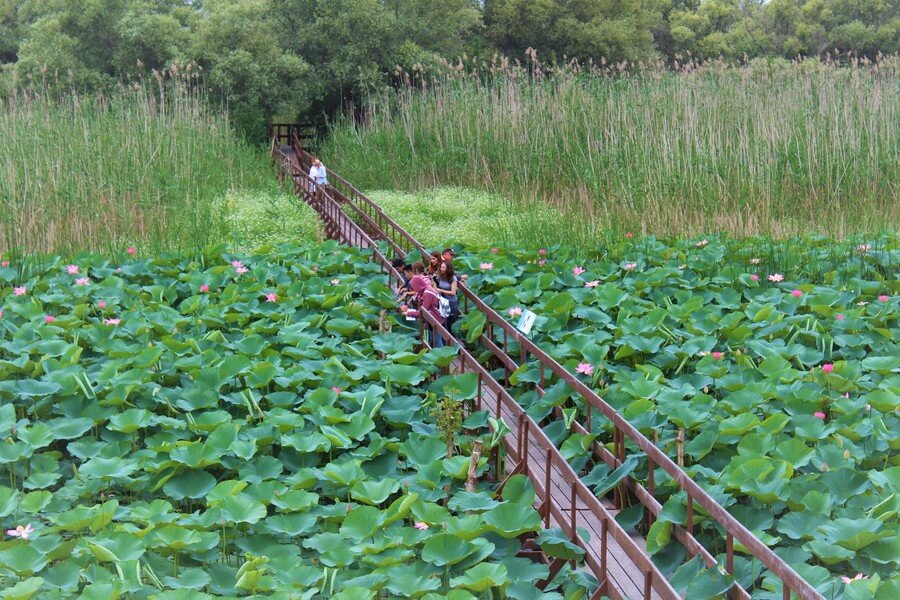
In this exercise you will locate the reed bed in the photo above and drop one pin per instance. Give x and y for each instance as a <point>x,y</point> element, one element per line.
<point>141,165</point>
<point>767,148</point>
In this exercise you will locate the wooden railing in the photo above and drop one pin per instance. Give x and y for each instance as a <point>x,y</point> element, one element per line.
<point>347,198</point>
<point>491,395</point>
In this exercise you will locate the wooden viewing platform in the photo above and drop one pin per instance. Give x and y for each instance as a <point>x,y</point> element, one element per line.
<point>615,557</point>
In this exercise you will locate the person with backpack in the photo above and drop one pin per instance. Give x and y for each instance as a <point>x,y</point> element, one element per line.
<point>447,281</point>
<point>429,300</point>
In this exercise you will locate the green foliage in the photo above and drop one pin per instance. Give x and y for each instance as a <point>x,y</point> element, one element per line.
<point>219,481</point>
<point>277,59</point>
<point>141,166</point>
<point>476,220</point>
<point>448,416</point>
<point>774,149</point>
<point>785,386</point>
<point>257,219</point>
<point>589,29</point>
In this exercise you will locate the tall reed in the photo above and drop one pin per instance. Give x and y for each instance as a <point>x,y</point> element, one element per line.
<point>140,165</point>
<point>766,148</point>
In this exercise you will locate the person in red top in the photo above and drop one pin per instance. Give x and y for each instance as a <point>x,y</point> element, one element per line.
<point>428,300</point>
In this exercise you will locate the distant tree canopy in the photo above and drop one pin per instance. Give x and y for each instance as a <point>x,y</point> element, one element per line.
<point>285,58</point>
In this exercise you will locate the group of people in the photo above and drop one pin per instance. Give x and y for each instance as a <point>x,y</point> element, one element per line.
<point>432,288</point>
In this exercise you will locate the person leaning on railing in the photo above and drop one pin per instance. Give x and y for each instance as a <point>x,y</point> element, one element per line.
<point>428,301</point>
<point>318,173</point>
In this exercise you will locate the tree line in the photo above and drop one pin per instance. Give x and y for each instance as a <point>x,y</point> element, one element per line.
<point>283,58</point>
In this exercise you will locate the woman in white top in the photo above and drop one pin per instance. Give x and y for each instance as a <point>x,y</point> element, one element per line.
<point>318,173</point>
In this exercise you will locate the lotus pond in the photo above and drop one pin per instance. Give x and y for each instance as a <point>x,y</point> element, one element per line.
<point>218,426</point>
<point>786,390</point>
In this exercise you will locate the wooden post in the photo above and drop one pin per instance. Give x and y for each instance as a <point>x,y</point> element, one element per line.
<point>473,466</point>
<point>681,447</point>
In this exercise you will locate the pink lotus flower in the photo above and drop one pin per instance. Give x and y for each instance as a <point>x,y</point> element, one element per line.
<point>72,269</point>
<point>271,297</point>
<point>859,577</point>
<point>101,304</point>
<point>515,311</point>
<point>131,250</point>
<point>776,277</point>
<point>112,322</point>
<point>204,288</point>
<point>420,525</point>
<point>1,314</point>
<point>754,277</point>
<point>754,261</point>
<point>702,243</point>
<point>585,369</point>
<point>864,248</point>
<point>542,262</point>
<point>487,266</point>
<point>21,532</point>
<point>839,316</point>
<point>82,281</point>
<point>630,266</point>
<point>629,235</point>
<point>797,293</point>
<point>495,250</point>
<point>19,291</point>
<point>236,264</point>
<point>592,284</point>
<point>883,298</point>
<point>49,319</point>
<point>868,408</point>
<point>578,271</point>
<point>241,270</point>
<point>827,368</point>
<point>4,263</point>
<point>335,282</point>
<point>336,389</point>
<point>819,415</point>
<point>542,252</point>
<point>718,355</point>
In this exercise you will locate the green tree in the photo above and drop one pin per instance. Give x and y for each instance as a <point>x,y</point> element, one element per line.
<point>586,29</point>
<point>256,77</point>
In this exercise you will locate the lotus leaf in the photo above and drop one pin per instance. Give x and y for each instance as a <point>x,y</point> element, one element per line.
<point>446,549</point>
<point>512,519</point>
<point>24,590</point>
<point>555,544</point>
<point>374,492</point>
<point>412,580</point>
<point>482,577</point>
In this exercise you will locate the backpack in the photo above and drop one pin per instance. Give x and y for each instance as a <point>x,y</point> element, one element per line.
<point>443,304</point>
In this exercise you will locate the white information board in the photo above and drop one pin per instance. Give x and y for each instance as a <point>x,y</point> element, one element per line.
<point>526,321</point>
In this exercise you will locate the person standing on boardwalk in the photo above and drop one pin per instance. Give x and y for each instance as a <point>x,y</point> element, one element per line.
<point>428,301</point>
<point>446,281</point>
<point>318,173</point>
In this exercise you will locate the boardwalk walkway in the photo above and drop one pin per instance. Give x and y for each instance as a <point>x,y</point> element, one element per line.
<point>615,557</point>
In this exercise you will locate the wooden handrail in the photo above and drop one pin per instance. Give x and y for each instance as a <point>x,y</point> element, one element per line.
<point>791,580</point>
<point>331,209</point>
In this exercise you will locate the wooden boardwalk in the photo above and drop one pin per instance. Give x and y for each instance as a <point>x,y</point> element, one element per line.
<point>624,575</point>
<point>614,556</point>
<point>566,509</point>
